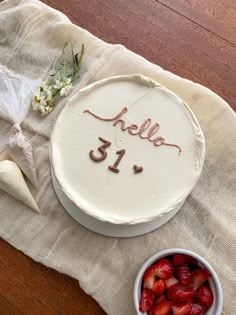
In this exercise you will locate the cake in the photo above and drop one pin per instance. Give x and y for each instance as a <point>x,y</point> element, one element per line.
<point>125,153</point>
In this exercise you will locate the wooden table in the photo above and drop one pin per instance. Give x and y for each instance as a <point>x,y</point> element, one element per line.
<point>195,39</point>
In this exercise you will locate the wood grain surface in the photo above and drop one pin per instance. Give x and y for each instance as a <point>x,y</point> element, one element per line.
<point>195,39</point>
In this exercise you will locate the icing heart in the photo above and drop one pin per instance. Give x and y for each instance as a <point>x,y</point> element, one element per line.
<point>138,169</point>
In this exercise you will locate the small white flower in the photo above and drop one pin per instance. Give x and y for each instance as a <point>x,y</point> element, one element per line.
<point>67,81</point>
<point>48,95</point>
<point>35,102</point>
<point>43,111</point>
<point>37,98</point>
<point>50,88</point>
<point>42,101</point>
<point>42,87</point>
<point>66,90</point>
<point>41,108</point>
<point>58,85</point>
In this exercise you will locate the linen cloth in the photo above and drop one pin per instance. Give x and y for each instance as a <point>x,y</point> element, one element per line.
<point>31,38</point>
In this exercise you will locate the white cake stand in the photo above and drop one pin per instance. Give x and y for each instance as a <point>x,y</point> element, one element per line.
<point>106,228</point>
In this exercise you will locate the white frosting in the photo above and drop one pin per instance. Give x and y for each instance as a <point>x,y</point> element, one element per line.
<point>127,198</point>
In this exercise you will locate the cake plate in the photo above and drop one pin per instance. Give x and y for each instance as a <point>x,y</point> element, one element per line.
<point>106,228</point>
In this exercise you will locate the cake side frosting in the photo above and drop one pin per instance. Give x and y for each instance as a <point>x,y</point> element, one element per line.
<point>148,143</point>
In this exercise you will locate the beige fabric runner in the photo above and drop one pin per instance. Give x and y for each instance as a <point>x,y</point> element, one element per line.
<point>31,38</point>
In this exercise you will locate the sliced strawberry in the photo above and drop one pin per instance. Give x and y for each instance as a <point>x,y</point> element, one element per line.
<point>158,287</point>
<point>164,269</point>
<point>184,275</point>
<point>171,281</point>
<point>181,259</point>
<point>194,297</point>
<point>161,298</point>
<point>197,309</point>
<point>162,308</point>
<point>147,300</point>
<point>181,310</point>
<point>199,276</point>
<point>149,277</point>
<point>180,294</point>
<point>205,296</point>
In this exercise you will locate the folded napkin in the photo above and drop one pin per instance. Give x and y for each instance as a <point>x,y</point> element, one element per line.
<point>107,267</point>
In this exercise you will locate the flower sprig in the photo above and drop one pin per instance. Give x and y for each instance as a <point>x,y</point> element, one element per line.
<point>59,84</point>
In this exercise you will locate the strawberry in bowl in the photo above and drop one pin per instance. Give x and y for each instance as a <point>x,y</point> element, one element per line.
<point>177,282</point>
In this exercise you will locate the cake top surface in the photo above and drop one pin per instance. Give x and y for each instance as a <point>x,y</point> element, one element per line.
<point>127,150</point>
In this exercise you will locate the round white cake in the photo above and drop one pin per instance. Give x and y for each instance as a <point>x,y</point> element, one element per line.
<point>126,151</point>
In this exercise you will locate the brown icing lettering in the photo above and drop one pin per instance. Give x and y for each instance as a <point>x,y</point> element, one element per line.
<point>117,117</point>
<point>113,167</point>
<point>138,169</point>
<point>102,150</point>
<point>155,127</point>
<point>132,127</point>
<point>146,126</point>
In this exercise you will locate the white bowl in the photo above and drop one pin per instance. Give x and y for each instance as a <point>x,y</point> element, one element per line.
<point>214,282</point>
